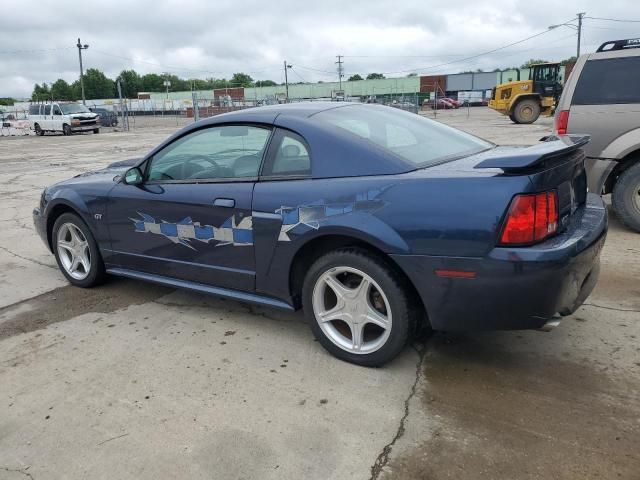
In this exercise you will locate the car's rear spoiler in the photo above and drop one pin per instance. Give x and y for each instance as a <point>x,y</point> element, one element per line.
<point>530,157</point>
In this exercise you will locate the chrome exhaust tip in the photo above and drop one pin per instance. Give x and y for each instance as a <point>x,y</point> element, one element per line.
<point>550,325</point>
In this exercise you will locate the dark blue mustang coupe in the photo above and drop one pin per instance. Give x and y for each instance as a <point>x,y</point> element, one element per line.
<point>374,220</point>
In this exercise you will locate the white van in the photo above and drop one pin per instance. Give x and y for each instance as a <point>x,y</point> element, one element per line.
<point>67,118</point>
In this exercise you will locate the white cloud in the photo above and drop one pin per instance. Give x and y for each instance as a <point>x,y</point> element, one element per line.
<point>203,38</point>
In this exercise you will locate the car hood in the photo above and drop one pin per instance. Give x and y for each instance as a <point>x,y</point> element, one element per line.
<point>84,116</point>
<point>109,174</point>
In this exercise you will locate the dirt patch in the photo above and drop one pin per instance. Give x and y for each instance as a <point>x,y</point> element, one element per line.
<point>67,302</point>
<point>617,287</point>
<point>504,414</point>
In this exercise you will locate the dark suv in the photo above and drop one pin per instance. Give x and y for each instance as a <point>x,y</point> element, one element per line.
<point>107,117</point>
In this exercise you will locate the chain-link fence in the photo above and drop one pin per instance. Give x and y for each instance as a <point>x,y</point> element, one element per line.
<point>130,114</point>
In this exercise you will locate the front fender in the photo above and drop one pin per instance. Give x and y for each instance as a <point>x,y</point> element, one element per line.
<point>88,208</point>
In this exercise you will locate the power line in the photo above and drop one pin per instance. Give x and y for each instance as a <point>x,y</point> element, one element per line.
<point>614,19</point>
<point>474,56</point>
<point>300,76</point>
<point>44,50</point>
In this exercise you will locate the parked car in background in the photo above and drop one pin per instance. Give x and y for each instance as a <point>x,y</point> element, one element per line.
<point>453,102</point>
<point>439,104</point>
<point>372,219</point>
<point>108,118</point>
<point>601,98</point>
<point>66,118</point>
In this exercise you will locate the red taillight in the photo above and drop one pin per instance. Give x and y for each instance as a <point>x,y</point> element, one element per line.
<point>562,122</point>
<point>531,218</point>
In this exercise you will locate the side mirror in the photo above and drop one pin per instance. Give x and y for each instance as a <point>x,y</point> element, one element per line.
<point>133,176</point>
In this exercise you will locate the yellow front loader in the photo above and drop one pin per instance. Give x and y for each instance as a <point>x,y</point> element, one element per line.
<point>524,100</point>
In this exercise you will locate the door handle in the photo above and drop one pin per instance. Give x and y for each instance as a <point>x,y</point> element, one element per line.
<point>224,202</point>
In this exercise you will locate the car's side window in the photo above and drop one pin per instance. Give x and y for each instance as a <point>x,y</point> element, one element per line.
<point>47,110</point>
<point>289,156</point>
<point>56,110</point>
<point>229,151</point>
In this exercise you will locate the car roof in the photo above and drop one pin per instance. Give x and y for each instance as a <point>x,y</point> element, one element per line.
<point>300,109</point>
<point>342,153</point>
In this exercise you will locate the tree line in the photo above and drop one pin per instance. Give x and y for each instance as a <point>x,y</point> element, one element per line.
<point>97,85</point>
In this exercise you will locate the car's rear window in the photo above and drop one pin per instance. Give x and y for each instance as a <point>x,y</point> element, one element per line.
<point>608,81</point>
<point>415,139</point>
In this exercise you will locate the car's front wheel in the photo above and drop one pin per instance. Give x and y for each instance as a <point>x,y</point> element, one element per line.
<point>358,308</point>
<point>76,251</point>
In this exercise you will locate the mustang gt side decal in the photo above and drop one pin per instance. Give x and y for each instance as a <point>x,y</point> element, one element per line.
<point>295,220</point>
<point>185,231</point>
<point>300,219</point>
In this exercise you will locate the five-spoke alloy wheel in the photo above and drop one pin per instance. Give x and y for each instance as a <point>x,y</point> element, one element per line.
<point>76,251</point>
<point>358,306</point>
<point>352,310</point>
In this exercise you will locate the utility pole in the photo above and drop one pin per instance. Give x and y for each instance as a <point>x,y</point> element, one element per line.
<point>580,15</point>
<point>286,81</point>
<point>80,48</point>
<point>340,74</point>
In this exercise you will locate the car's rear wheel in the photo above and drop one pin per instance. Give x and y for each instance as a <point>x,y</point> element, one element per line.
<point>626,197</point>
<point>76,251</point>
<point>526,111</point>
<point>96,130</point>
<point>66,130</point>
<point>358,308</point>
<point>38,130</point>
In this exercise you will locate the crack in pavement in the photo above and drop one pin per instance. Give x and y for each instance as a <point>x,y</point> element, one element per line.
<point>27,259</point>
<point>611,308</point>
<point>18,470</point>
<point>383,457</point>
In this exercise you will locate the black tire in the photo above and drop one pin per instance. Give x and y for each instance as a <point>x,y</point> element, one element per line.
<point>401,303</point>
<point>66,130</point>
<point>96,130</point>
<point>512,118</point>
<point>526,111</point>
<point>38,130</point>
<point>626,197</point>
<point>96,274</point>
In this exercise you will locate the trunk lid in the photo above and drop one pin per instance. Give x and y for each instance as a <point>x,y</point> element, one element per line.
<point>557,164</point>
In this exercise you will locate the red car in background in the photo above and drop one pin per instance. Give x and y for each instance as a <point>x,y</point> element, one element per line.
<point>454,103</point>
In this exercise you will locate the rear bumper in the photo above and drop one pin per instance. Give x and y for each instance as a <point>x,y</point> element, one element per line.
<point>514,288</point>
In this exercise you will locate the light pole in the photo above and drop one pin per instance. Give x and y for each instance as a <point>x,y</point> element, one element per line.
<point>578,28</point>
<point>286,81</point>
<point>340,70</point>
<point>80,48</point>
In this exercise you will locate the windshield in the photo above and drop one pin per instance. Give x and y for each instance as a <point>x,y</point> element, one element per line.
<point>68,108</point>
<point>415,139</point>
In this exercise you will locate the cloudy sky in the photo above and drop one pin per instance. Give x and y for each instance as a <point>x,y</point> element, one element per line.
<point>199,39</point>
